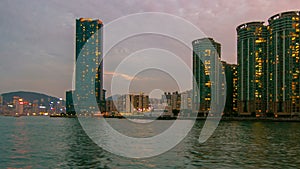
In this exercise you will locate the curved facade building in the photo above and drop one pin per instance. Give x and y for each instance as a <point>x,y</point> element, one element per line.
<point>284,63</point>
<point>206,56</point>
<point>251,52</point>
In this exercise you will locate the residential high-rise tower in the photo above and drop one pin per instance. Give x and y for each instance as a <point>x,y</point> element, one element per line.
<point>206,59</point>
<point>252,52</point>
<point>284,64</point>
<point>89,42</point>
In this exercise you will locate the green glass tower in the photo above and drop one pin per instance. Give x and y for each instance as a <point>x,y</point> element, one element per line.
<point>252,54</point>
<point>205,75</point>
<point>70,110</point>
<point>284,64</point>
<point>89,30</point>
<point>231,88</point>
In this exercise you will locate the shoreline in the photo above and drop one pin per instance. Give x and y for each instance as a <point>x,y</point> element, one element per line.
<point>250,119</point>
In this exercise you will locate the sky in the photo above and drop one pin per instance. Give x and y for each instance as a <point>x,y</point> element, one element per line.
<point>37,36</point>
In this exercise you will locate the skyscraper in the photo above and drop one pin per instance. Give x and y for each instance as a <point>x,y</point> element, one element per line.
<point>284,64</point>
<point>69,103</point>
<point>252,52</point>
<point>231,88</point>
<point>89,39</point>
<point>206,56</point>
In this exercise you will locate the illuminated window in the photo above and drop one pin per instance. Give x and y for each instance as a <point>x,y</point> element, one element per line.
<point>207,52</point>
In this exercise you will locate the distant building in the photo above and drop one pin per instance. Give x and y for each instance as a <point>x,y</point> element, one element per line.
<point>111,106</point>
<point>131,103</point>
<point>252,53</point>
<point>141,102</point>
<point>15,100</point>
<point>186,100</point>
<point>166,98</point>
<point>18,105</point>
<point>156,104</point>
<point>231,88</point>
<point>173,100</point>
<point>89,30</point>
<point>102,106</point>
<point>35,107</point>
<point>206,58</point>
<point>70,110</point>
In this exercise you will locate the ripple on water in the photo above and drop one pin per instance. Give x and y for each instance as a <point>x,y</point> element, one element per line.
<point>41,142</point>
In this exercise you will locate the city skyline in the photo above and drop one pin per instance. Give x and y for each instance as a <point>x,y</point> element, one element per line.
<point>150,84</point>
<point>38,58</point>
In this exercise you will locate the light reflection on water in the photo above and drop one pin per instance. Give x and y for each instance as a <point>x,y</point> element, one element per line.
<point>42,142</point>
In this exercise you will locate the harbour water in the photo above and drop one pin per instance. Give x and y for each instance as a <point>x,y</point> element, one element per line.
<point>43,142</point>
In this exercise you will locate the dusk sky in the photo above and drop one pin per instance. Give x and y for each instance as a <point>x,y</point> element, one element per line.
<point>37,37</point>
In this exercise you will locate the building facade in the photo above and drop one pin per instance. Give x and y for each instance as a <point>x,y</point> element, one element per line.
<point>186,100</point>
<point>234,70</point>
<point>132,103</point>
<point>70,110</point>
<point>269,67</point>
<point>206,57</point>
<point>111,106</point>
<point>173,102</point>
<point>141,102</point>
<point>252,54</point>
<point>89,66</point>
<point>231,88</point>
<point>18,105</point>
<point>284,64</point>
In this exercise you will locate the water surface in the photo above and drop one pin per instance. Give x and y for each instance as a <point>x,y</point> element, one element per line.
<point>43,142</point>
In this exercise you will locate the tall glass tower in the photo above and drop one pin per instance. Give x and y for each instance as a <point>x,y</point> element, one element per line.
<point>206,56</point>
<point>284,64</point>
<point>252,52</point>
<point>69,103</point>
<point>89,39</point>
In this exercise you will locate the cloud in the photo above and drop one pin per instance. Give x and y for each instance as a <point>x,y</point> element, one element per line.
<point>122,75</point>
